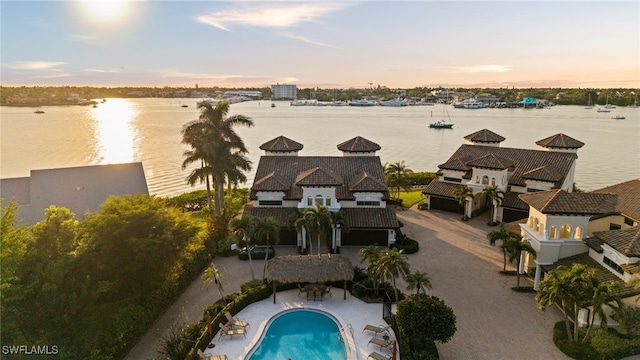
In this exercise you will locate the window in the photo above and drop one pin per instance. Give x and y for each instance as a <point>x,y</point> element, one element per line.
<point>613,226</point>
<point>533,190</point>
<point>493,181</point>
<point>565,231</point>
<point>270,202</point>
<point>452,179</point>
<point>578,234</point>
<point>327,201</point>
<point>612,265</point>
<point>319,200</point>
<point>553,234</point>
<point>536,224</point>
<point>477,179</point>
<point>309,201</point>
<point>628,221</point>
<point>485,180</point>
<point>367,203</point>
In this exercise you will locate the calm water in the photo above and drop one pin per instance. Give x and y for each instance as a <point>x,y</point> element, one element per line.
<point>301,334</point>
<point>148,130</point>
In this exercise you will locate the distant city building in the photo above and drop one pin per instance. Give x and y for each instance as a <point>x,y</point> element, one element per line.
<point>284,92</point>
<point>246,93</point>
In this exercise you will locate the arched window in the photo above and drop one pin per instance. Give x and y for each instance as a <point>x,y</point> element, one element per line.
<point>309,201</point>
<point>319,200</point>
<point>536,224</point>
<point>578,234</point>
<point>493,181</point>
<point>485,180</point>
<point>565,231</point>
<point>327,201</point>
<point>553,233</point>
<point>477,179</point>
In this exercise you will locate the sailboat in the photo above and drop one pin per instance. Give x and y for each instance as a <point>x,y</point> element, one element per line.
<point>606,107</point>
<point>635,103</point>
<point>589,104</point>
<point>441,124</point>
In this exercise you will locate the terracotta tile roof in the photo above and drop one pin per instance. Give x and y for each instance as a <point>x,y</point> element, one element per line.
<point>512,200</point>
<point>562,202</point>
<point>370,218</point>
<point>626,242</point>
<point>281,215</point>
<point>523,160</point>
<point>318,177</point>
<point>628,198</point>
<point>490,161</point>
<point>602,273</point>
<point>281,143</point>
<point>455,164</point>
<point>358,144</point>
<point>288,169</point>
<point>560,141</point>
<point>271,182</point>
<point>594,243</point>
<point>484,135</point>
<point>543,173</point>
<point>440,188</point>
<point>366,183</point>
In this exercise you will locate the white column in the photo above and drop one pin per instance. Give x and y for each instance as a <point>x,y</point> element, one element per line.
<point>304,237</point>
<point>536,281</point>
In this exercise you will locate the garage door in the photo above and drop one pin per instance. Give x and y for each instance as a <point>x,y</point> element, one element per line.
<point>446,204</point>
<point>365,237</point>
<point>509,215</point>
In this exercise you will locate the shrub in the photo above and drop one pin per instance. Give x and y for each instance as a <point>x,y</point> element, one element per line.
<point>409,246</point>
<point>423,206</point>
<point>578,351</point>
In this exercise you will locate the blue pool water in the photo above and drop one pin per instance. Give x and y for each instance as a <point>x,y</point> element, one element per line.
<point>301,335</point>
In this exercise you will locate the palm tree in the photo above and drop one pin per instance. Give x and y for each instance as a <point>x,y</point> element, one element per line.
<point>338,222</point>
<point>514,246</point>
<point>397,175</point>
<point>503,235</point>
<point>604,294</point>
<point>370,254</point>
<point>267,228</point>
<point>419,281</point>
<point>299,223</point>
<point>463,194</point>
<point>318,220</point>
<point>496,196</point>
<point>213,274</point>
<point>244,228</point>
<point>215,145</point>
<point>390,265</point>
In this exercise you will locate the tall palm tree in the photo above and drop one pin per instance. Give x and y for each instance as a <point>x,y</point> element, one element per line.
<point>267,229</point>
<point>419,281</point>
<point>244,228</point>
<point>502,235</point>
<point>463,194</point>
<point>391,265</point>
<point>397,175</point>
<point>338,223</point>
<point>319,221</point>
<point>214,143</point>
<point>213,274</point>
<point>298,221</point>
<point>370,255</point>
<point>605,294</point>
<point>495,196</point>
<point>514,246</point>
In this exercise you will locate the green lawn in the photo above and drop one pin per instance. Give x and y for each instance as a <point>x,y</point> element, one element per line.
<point>410,198</point>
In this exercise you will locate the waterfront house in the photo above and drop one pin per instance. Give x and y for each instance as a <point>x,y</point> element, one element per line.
<point>483,162</point>
<point>353,183</point>
<point>599,229</point>
<point>80,189</point>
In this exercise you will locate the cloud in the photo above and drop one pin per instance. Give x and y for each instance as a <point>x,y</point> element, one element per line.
<point>279,15</point>
<point>482,69</point>
<point>87,39</point>
<point>308,41</point>
<point>113,70</point>
<point>34,65</point>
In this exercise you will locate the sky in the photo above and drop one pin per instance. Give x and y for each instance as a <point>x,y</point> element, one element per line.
<point>341,44</point>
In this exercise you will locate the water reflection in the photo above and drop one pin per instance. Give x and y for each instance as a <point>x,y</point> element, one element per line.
<point>115,133</point>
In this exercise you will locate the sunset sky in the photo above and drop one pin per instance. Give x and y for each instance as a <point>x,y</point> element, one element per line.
<point>570,44</point>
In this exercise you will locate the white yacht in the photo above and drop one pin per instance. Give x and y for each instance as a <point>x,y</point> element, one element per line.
<point>393,102</point>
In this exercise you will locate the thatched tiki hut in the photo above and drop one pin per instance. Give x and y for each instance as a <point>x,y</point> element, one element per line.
<point>309,268</point>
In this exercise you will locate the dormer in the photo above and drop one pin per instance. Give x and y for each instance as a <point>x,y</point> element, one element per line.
<point>490,170</point>
<point>319,188</point>
<point>484,137</point>
<point>454,170</point>
<point>281,146</point>
<point>358,146</point>
<point>541,178</point>
<point>617,250</point>
<point>270,190</point>
<point>560,142</point>
<point>368,191</point>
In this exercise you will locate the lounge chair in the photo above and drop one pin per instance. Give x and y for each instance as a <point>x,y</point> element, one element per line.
<point>301,290</point>
<point>231,331</point>
<point>387,344</point>
<point>327,290</point>
<point>377,329</point>
<point>378,356</point>
<point>235,322</point>
<point>203,356</point>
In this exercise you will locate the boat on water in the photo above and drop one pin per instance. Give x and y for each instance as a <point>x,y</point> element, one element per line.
<point>440,124</point>
<point>273,105</point>
<point>185,105</point>
<point>361,102</point>
<point>589,103</point>
<point>39,112</point>
<point>394,102</point>
<point>339,103</point>
<point>635,103</point>
<point>618,117</point>
<point>603,109</point>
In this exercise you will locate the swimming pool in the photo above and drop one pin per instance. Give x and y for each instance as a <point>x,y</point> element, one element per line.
<point>301,334</point>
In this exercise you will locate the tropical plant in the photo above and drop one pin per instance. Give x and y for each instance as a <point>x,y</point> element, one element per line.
<point>338,223</point>
<point>244,228</point>
<point>398,176</point>
<point>391,265</point>
<point>502,235</point>
<point>217,147</point>
<point>419,281</point>
<point>514,247</point>
<point>298,222</point>
<point>318,221</point>
<point>495,196</point>
<point>628,317</point>
<point>570,287</point>
<point>267,229</point>
<point>213,274</point>
<point>463,195</point>
<point>370,254</point>
<point>605,294</point>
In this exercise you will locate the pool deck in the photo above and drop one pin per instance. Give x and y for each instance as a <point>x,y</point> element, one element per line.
<point>352,313</point>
